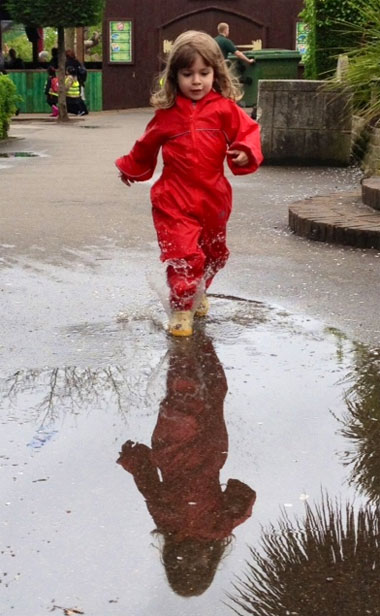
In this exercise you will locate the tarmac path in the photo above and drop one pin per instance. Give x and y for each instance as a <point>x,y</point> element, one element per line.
<point>68,207</point>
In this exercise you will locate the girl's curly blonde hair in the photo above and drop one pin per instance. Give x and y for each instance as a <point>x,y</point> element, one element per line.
<point>182,55</point>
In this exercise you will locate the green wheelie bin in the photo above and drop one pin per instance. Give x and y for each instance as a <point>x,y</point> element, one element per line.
<point>269,64</point>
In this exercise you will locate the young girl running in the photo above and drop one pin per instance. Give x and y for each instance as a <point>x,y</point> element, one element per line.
<point>197,123</point>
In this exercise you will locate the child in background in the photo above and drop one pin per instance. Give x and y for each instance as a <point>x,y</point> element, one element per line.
<point>197,123</point>
<point>74,101</point>
<point>51,91</point>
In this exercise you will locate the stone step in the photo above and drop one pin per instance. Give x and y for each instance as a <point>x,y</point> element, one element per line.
<point>371,192</point>
<point>340,218</point>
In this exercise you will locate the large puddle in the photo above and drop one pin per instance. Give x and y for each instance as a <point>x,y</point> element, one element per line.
<point>236,470</point>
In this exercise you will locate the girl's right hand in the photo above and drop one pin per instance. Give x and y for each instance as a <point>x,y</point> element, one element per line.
<point>127,181</point>
<point>239,157</point>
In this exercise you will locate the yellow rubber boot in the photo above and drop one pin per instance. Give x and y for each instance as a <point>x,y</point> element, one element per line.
<point>203,306</point>
<point>181,323</point>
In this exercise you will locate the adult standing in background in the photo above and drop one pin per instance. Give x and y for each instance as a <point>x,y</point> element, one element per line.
<point>72,60</point>
<point>13,61</point>
<point>81,71</point>
<point>43,60</point>
<point>54,58</point>
<point>227,46</point>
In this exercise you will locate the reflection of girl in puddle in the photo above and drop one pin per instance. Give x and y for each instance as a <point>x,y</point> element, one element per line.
<point>192,512</point>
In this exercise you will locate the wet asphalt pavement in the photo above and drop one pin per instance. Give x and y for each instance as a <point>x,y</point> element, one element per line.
<point>141,475</point>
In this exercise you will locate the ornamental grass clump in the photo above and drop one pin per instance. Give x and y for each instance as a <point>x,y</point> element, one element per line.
<point>326,38</point>
<point>363,70</point>
<point>324,564</point>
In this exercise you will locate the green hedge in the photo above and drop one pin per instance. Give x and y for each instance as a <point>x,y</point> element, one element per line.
<point>327,38</point>
<point>9,100</point>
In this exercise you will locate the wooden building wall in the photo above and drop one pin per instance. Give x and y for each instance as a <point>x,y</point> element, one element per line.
<point>154,21</point>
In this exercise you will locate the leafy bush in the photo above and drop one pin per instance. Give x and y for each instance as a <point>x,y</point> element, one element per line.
<point>361,72</point>
<point>326,36</point>
<point>9,100</point>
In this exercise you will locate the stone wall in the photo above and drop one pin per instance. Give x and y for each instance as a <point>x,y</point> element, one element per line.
<point>366,145</point>
<point>303,123</point>
<point>371,162</point>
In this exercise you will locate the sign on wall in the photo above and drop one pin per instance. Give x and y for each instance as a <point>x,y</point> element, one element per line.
<point>120,41</point>
<point>301,37</point>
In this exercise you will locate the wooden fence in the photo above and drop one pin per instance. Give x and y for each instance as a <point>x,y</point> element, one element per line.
<point>31,87</point>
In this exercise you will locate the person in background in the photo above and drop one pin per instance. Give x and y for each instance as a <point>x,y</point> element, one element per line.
<point>72,60</point>
<point>54,58</point>
<point>74,101</point>
<point>51,91</point>
<point>227,46</point>
<point>13,62</point>
<point>43,58</point>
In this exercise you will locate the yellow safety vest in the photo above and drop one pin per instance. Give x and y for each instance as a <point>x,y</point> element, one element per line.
<point>74,90</point>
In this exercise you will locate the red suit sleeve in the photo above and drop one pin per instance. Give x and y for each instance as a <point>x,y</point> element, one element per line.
<point>239,500</point>
<point>136,459</point>
<point>243,134</point>
<point>140,163</point>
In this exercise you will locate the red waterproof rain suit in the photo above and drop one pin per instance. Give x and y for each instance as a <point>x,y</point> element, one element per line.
<point>192,199</point>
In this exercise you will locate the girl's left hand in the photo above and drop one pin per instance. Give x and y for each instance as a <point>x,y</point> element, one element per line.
<point>126,180</point>
<point>239,157</point>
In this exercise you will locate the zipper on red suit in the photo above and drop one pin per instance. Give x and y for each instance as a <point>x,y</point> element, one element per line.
<point>195,150</point>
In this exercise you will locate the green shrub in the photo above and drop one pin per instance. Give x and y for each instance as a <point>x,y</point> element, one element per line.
<point>362,73</point>
<point>9,100</point>
<point>327,38</point>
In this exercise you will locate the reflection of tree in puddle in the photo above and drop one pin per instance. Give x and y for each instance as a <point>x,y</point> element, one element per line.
<point>69,389</point>
<point>361,423</point>
<point>326,565</point>
<point>179,475</point>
